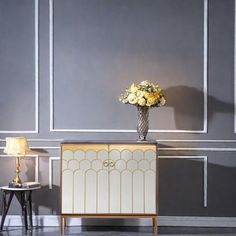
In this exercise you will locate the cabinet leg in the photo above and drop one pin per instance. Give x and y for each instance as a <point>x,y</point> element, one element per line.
<point>154,224</point>
<point>62,225</point>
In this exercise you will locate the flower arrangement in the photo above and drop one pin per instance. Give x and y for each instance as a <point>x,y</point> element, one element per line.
<point>145,94</point>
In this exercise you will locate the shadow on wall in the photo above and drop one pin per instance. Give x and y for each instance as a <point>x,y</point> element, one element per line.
<point>47,198</point>
<point>180,96</point>
<point>44,199</point>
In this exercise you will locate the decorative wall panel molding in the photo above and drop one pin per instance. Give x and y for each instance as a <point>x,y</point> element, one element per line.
<point>36,74</point>
<point>104,130</point>
<point>50,170</point>
<point>204,158</point>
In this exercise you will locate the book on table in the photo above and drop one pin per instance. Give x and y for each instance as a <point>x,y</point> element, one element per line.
<point>31,185</point>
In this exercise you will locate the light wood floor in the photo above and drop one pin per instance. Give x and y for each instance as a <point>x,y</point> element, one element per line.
<point>119,231</point>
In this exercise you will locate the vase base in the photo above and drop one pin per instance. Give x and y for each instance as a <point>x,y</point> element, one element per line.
<point>142,140</point>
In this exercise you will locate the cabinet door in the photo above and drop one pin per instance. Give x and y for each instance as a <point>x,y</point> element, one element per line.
<point>132,178</point>
<point>84,178</point>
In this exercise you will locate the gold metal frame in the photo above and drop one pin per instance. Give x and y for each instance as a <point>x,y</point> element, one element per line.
<point>17,179</point>
<point>97,147</point>
<point>64,217</point>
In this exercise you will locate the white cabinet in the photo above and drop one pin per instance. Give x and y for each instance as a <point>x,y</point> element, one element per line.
<point>109,179</point>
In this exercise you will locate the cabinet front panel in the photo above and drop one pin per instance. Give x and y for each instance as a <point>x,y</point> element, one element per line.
<point>133,178</point>
<point>108,178</point>
<point>84,178</point>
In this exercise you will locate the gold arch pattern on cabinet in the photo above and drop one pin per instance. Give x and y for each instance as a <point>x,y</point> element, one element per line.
<point>109,179</point>
<point>134,169</point>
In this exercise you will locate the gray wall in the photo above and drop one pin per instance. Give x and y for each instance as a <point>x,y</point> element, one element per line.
<point>61,74</point>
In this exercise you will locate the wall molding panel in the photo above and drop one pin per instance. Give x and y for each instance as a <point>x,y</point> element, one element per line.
<point>36,74</point>
<point>52,82</point>
<point>205,160</point>
<point>50,170</point>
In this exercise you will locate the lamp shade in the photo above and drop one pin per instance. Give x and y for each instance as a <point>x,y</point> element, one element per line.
<point>16,146</point>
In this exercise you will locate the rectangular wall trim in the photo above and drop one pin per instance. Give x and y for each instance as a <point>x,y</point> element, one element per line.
<point>52,81</point>
<point>36,74</point>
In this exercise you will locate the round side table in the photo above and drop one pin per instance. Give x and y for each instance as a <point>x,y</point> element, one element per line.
<point>23,195</point>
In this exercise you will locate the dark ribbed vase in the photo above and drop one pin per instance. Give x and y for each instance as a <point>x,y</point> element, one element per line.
<point>143,123</point>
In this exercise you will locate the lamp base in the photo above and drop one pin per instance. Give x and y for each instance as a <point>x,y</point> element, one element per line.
<point>14,185</point>
<point>17,179</point>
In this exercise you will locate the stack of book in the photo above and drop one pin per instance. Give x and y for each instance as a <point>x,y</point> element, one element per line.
<point>25,185</point>
<point>31,185</point>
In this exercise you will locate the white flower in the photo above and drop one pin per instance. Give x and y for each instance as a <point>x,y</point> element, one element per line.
<point>132,99</point>
<point>142,102</point>
<point>145,82</point>
<point>125,100</point>
<point>140,94</point>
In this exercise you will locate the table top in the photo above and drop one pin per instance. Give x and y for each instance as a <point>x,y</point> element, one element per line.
<point>109,142</point>
<point>18,189</point>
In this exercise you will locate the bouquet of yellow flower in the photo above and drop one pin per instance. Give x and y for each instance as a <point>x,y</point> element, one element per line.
<point>144,94</point>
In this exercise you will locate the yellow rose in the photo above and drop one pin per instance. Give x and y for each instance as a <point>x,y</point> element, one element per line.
<point>151,101</point>
<point>132,99</point>
<point>150,96</point>
<point>142,102</point>
<point>146,95</point>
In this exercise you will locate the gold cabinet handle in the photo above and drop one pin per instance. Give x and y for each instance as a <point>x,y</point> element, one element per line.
<point>106,163</point>
<point>112,164</point>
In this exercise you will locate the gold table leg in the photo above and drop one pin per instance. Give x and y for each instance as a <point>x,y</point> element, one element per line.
<point>154,224</point>
<point>62,225</point>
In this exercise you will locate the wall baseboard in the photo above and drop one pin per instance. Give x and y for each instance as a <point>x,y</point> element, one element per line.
<point>185,221</point>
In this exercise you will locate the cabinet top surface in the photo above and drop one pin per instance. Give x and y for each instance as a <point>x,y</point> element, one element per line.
<point>109,142</point>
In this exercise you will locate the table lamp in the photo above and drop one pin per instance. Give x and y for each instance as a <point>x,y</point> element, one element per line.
<point>16,146</point>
